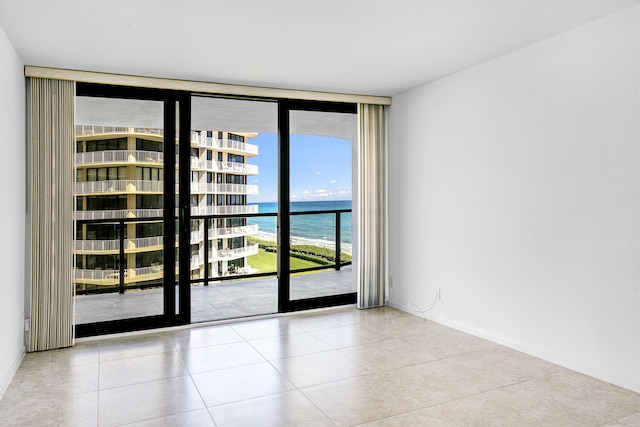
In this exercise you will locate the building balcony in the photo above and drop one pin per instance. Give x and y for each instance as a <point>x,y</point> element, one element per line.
<point>143,244</point>
<point>223,233</point>
<point>224,210</point>
<point>227,145</point>
<point>226,167</point>
<point>214,188</point>
<point>231,254</point>
<point>112,277</point>
<point>118,187</point>
<point>117,214</point>
<point>119,157</point>
<point>82,130</point>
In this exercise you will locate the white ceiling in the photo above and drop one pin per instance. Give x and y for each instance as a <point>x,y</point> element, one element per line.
<point>375,47</point>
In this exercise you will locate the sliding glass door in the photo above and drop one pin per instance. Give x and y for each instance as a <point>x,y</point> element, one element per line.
<point>196,208</point>
<point>125,249</point>
<point>316,204</point>
<point>233,161</point>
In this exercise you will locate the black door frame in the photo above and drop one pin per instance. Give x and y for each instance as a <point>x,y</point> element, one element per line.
<point>177,118</point>
<point>285,303</point>
<point>177,111</point>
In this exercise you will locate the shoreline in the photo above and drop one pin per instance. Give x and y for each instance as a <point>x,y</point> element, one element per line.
<point>297,240</point>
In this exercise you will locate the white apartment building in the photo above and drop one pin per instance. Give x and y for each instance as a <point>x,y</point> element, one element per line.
<point>120,176</point>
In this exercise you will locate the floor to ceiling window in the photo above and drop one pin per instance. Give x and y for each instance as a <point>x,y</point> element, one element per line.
<point>196,208</point>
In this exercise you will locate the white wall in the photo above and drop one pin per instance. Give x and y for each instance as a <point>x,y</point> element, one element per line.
<point>515,189</point>
<point>12,213</point>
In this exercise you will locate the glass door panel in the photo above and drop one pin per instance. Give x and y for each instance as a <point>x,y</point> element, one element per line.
<point>320,190</point>
<point>119,193</point>
<point>234,163</point>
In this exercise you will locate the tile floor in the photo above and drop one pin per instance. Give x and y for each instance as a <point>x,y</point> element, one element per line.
<point>342,367</point>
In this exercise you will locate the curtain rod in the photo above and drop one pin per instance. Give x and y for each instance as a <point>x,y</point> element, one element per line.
<point>198,87</point>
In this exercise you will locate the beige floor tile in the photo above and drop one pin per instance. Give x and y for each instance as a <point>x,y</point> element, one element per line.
<point>135,346</point>
<point>280,410</point>
<point>350,335</point>
<point>501,408</point>
<point>361,399</point>
<point>56,409</point>
<point>64,381</point>
<point>581,398</point>
<point>630,421</point>
<point>501,366</point>
<point>319,368</point>
<point>240,383</point>
<point>205,336</point>
<point>83,353</point>
<point>389,354</point>
<point>289,346</point>
<point>435,382</point>
<point>323,320</point>
<point>422,417</point>
<point>199,418</point>
<point>265,328</point>
<point>134,370</point>
<point>146,401</point>
<point>220,357</point>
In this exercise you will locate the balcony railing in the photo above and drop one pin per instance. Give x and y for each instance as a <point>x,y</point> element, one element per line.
<point>118,280</point>
<point>227,167</point>
<point>224,210</point>
<point>117,214</point>
<point>120,186</point>
<point>110,277</point>
<point>223,144</point>
<point>82,130</point>
<point>214,188</point>
<point>233,231</point>
<point>119,157</point>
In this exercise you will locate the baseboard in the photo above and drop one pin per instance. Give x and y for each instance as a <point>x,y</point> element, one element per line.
<point>549,356</point>
<point>4,385</point>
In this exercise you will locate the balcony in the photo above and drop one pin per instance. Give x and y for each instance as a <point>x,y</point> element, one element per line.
<point>113,246</point>
<point>228,145</point>
<point>226,167</point>
<point>118,187</point>
<point>82,130</point>
<point>220,233</point>
<point>117,214</point>
<point>230,254</point>
<point>119,157</point>
<point>214,188</point>
<point>112,277</point>
<point>224,210</point>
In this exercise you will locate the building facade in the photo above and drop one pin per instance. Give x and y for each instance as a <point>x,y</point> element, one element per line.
<point>119,189</point>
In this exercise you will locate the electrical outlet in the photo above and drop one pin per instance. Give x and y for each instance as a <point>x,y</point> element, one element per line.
<point>391,281</point>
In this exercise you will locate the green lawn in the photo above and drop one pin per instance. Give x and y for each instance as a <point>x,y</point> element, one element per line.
<point>267,261</point>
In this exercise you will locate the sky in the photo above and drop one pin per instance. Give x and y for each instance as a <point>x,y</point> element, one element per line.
<point>320,168</point>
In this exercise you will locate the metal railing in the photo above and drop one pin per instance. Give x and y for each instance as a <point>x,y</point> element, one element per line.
<point>119,156</point>
<point>119,186</point>
<point>120,278</point>
<point>223,144</point>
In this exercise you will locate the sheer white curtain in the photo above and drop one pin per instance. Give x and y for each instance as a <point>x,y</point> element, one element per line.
<point>51,208</point>
<point>372,239</point>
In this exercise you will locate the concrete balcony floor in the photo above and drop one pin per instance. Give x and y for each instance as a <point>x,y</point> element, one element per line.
<point>219,300</point>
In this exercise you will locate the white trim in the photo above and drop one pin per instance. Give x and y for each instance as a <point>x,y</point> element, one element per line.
<point>198,87</point>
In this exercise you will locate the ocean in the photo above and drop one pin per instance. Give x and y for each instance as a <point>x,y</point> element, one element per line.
<point>316,227</point>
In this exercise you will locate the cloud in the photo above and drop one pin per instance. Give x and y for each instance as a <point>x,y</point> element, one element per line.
<point>333,181</point>
<point>318,173</point>
<point>256,180</point>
